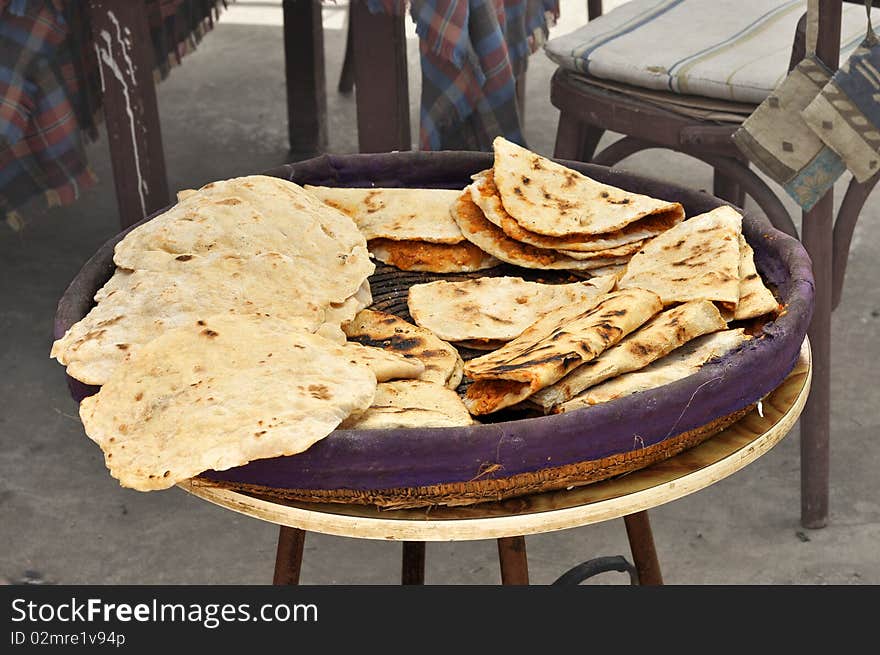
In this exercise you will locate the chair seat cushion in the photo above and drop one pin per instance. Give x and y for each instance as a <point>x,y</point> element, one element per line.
<point>729,49</point>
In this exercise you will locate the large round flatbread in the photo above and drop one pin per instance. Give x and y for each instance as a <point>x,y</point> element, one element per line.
<point>464,257</point>
<point>554,200</point>
<point>253,215</point>
<point>398,214</point>
<point>134,307</point>
<point>491,239</point>
<point>485,194</point>
<point>411,404</point>
<point>493,309</point>
<point>697,259</point>
<point>443,365</point>
<point>219,394</point>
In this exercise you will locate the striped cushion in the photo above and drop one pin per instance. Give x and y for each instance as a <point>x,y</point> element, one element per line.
<point>729,49</point>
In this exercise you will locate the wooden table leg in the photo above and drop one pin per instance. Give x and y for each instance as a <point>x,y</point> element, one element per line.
<point>641,543</point>
<point>513,560</point>
<point>412,571</point>
<point>817,238</point>
<point>381,81</point>
<point>305,77</point>
<point>288,557</point>
<point>131,113</point>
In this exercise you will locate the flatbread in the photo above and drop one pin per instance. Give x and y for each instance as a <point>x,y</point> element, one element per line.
<point>385,364</point>
<point>479,344</point>
<point>343,313</point>
<point>554,200</point>
<point>254,215</point>
<point>462,257</point>
<point>491,239</point>
<point>655,339</point>
<point>697,259</point>
<point>485,194</point>
<point>411,404</point>
<point>443,365</point>
<point>755,299</point>
<point>134,307</point>
<point>552,347</point>
<point>623,252</point>
<point>397,214</point>
<point>221,394</point>
<point>492,309</point>
<point>675,366</point>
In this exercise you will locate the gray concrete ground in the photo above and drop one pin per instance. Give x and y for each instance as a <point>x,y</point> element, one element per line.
<point>63,519</point>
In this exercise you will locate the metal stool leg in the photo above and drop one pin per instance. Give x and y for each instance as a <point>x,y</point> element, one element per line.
<point>641,543</point>
<point>413,567</point>
<point>513,560</point>
<point>288,557</point>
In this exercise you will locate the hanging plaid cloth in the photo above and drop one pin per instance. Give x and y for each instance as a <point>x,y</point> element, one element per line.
<point>50,91</point>
<point>471,53</point>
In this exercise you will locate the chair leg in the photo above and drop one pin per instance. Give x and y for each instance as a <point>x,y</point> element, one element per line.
<point>346,75</point>
<point>413,567</point>
<point>513,560</point>
<point>641,543</point>
<point>521,97</point>
<point>816,417</point>
<point>576,140</point>
<point>305,78</point>
<point>727,189</point>
<point>288,557</point>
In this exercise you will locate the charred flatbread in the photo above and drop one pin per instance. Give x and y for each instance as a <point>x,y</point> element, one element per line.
<point>443,364</point>
<point>554,346</point>
<point>755,299</point>
<point>658,337</point>
<point>554,200</point>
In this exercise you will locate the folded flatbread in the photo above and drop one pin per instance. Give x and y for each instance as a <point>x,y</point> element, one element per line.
<point>493,308</point>
<point>675,366</point>
<point>491,239</point>
<point>559,342</point>
<point>443,365</point>
<point>485,194</point>
<point>462,257</point>
<point>658,337</point>
<point>398,214</point>
<point>697,259</point>
<point>219,394</point>
<point>755,299</point>
<point>411,404</point>
<point>554,200</point>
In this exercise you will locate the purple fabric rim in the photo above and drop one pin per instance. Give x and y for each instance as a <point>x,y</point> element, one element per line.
<point>384,459</point>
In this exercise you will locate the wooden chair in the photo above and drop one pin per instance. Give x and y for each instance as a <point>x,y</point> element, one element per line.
<point>647,119</point>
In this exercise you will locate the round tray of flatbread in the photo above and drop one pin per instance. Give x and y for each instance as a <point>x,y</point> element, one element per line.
<point>508,455</point>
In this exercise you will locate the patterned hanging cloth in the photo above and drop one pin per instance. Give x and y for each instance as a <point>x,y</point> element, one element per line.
<point>846,114</point>
<point>777,139</point>
<point>50,100</point>
<point>471,54</point>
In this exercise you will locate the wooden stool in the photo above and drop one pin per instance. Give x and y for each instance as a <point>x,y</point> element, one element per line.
<point>511,556</point>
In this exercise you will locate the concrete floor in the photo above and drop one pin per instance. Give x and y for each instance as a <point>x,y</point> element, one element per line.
<point>63,519</point>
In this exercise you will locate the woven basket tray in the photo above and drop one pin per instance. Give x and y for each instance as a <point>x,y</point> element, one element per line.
<point>511,455</point>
